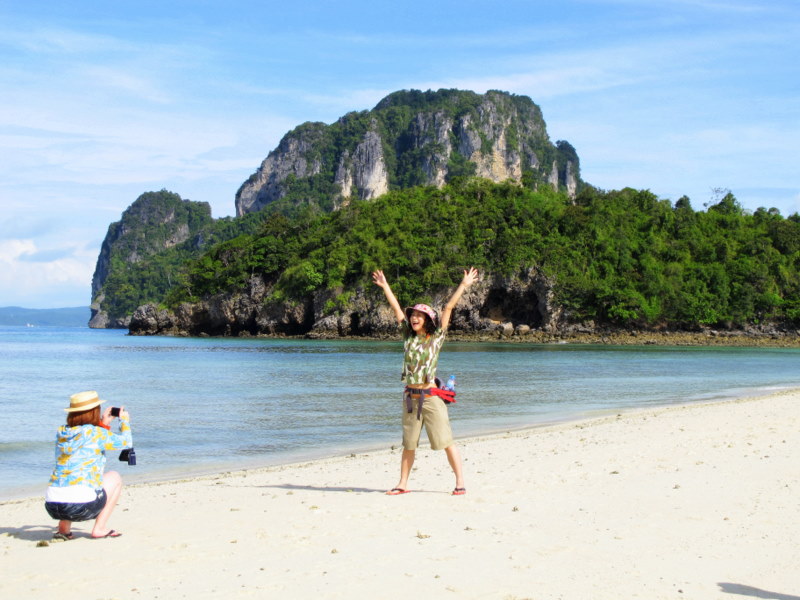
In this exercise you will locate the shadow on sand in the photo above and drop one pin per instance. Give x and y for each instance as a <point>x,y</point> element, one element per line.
<point>746,590</point>
<point>30,533</point>
<point>322,488</point>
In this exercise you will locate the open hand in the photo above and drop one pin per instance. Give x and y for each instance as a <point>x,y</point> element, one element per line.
<point>470,276</point>
<point>379,279</point>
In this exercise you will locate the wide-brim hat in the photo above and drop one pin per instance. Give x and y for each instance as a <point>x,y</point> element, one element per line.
<point>423,308</point>
<point>83,401</point>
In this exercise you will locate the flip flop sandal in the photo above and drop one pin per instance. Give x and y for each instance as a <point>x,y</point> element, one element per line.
<point>459,491</point>
<point>397,492</point>
<point>111,534</point>
<point>63,537</point>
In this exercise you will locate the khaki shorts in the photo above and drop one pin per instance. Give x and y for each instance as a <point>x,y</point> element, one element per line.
<point>434,417</point>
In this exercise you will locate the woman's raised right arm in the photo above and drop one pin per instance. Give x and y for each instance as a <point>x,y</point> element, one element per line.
<point>380,280</point>
<point>123,439</point>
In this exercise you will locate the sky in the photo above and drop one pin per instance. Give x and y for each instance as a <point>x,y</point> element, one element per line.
<point>102,101</point>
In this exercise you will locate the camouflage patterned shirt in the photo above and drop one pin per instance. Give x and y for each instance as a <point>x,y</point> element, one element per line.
<point>421,354</point>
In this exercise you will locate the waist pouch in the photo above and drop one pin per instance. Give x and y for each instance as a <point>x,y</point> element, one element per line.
<point>446,395</point>
<point>409,393</point>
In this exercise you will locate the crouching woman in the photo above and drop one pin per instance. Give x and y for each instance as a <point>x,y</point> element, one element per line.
<point>79,489</point>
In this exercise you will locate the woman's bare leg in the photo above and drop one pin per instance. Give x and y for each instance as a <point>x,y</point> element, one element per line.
<point>406,462</point>
<point>112,484</point>
<point>454,458</point>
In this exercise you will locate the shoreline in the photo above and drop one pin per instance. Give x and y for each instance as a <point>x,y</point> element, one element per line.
<point>191,471</point>
<point>707,338</point>
<point>683,501</point>
<point>649,338</point>
<point>229,469</point>
<point>211,470</point>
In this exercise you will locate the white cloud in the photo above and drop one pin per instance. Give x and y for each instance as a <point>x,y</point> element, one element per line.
<point>12,250</point>
<point>126,83</point>
<point>30,282</point>
<point>59,42</point>
<point>107,146</point>
<point>347,101</point>
<point>545,83</point>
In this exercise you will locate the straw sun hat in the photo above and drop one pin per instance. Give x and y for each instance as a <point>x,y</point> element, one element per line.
<point>83,401</point>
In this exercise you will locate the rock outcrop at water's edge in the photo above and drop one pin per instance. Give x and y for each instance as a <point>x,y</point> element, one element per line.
<point>486,307</point>
<point>495,309</point>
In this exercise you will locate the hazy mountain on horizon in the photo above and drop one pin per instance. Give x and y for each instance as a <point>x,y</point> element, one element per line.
<point>77,316</point>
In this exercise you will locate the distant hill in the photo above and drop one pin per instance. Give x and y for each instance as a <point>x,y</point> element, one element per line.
<point>412,138</point>
<point>45,317</point>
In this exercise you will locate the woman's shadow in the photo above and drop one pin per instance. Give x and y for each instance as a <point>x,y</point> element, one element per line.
<point>746,590</point>
<point>317,488</point>
<point>30,533</point>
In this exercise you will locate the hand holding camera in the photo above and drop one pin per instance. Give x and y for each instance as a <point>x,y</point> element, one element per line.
<point>128,454</point>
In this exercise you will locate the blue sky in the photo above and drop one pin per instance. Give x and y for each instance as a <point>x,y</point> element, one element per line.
<point>102,101</point>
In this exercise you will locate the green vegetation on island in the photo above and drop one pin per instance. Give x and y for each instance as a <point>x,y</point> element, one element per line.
<point>147,249</point>
<point>623,258</point>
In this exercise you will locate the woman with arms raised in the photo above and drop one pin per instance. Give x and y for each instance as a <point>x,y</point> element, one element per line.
<point>423,336</point>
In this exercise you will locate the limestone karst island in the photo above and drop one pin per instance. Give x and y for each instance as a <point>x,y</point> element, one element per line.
<point>422,186</point>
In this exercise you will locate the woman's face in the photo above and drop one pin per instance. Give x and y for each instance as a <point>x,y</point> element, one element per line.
<point>417,321</point>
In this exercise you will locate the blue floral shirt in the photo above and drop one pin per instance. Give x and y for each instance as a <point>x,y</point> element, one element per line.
<point>81,453</point>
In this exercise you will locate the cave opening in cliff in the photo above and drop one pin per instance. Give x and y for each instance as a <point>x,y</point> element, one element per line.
<point>305,325</point>
<point>516,307</point>
<point>355,324</point>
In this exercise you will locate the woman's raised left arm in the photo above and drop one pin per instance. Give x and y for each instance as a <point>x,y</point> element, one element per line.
<point>470,276</point>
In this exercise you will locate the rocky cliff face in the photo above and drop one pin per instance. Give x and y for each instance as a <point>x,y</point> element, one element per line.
<point>293,157</point>
<point>503,306</point>
<point>364,175</point>
<point>415,138</point>
<point>155,222</point>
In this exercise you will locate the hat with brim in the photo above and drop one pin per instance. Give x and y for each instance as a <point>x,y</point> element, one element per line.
<point>83,401</point>
<point>423,308</point>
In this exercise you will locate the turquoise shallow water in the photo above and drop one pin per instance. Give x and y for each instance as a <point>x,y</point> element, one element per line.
<point>204,405</point>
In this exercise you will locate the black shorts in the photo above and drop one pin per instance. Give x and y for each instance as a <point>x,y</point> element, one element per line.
<point>77,511</point>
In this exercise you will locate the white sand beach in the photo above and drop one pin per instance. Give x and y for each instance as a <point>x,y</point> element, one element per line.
<point>696,501</point>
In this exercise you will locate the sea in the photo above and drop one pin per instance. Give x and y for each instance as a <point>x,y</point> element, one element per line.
<point>208,405</point>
